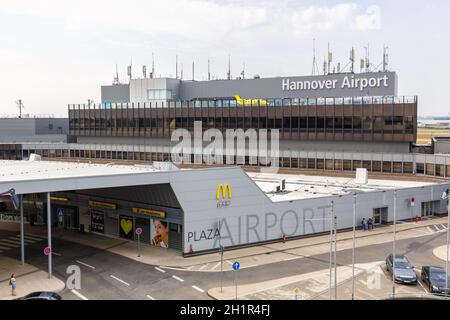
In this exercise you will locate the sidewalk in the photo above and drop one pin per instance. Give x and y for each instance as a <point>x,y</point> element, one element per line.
<point>441,252</point>
<point>29,279</point>
<point>248,257</point>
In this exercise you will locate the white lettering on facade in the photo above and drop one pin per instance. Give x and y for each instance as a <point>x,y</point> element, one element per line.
<point>348,82</point>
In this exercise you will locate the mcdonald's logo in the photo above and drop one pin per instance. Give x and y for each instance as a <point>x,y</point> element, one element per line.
<point>223,195</point>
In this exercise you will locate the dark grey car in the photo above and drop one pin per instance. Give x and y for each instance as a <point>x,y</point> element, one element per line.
<point>404,271</point>
<point>434,278</point>
<point>41,295</point>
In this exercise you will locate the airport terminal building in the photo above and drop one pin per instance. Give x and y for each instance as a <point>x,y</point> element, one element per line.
<point>334,122</point>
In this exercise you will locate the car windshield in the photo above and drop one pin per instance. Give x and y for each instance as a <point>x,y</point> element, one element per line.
<point>438,276</point>
<point>402,264</point>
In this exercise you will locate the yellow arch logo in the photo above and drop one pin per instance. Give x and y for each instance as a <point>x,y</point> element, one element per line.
<point>223,191</point>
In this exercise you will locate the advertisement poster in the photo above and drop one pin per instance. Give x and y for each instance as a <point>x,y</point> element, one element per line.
<point>159,233</point>
<point>97,221</point>
<point>126,227</point>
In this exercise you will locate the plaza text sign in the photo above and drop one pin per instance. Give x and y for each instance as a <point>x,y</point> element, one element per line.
<point>347,82</point>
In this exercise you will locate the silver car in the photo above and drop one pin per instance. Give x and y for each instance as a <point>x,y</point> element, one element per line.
<point>404,271</point>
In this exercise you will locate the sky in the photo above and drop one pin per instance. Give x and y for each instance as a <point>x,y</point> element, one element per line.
<point>58,52</point>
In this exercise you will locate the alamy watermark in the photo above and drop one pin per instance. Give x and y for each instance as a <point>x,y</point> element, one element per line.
<point>252,147</point>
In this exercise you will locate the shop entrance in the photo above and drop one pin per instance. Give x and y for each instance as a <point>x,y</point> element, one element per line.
<point>429,208</point>
<point>65,217</point>
<point>380,215</point>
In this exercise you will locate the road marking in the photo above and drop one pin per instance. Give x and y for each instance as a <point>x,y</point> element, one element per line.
<point>198,289</point>
<point>37,236</point>
<point>292,258</point>
<point>429,229</point>
<point>11,241</point>
<point>150,297</point>
<point>57,254</point>
<point>126,283</point>
<point>75,292</point>
<point>422,286</point>
<point>85,264</point>
<point>229,262</point>
<point>9,244</point>
<point>25,240</point>
<point>203,267</point>
<point>218,264</point>
<point>33,238</point>
<point>178,278</point>
<point>160,270</point>
<point>250,266</point>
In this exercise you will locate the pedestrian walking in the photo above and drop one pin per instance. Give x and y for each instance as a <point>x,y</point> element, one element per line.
<point>12,283</point>
<point>370,223</point>
<point>363,224</point>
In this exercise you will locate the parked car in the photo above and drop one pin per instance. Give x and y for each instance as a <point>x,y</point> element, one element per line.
<point>41,295</point>
<point>404,271</point>
<point>434,278</point>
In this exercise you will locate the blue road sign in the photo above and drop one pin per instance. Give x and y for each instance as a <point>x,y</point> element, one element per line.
<point>60,212</point>
<point>236,266</point>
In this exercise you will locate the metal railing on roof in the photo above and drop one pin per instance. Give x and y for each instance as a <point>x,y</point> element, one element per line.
<point>226,102</point>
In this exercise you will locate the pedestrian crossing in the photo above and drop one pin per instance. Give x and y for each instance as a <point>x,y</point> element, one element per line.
<point>13,242</point>
<point>436,228</point>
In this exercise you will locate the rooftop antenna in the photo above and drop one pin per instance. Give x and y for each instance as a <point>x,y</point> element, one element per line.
<point>367,58</point>
<point>352,60</point>
<point>209,71</point>
<point>20,106</point>
<point>153,66</point>
<point>243,70</point>
<point>361,67</point>
<point>181,75</point>
<point>385,58</point>
<point>116,78</point>
<point>129,69</point>
<point>193,71</point>
<point>176,67</point>
<point>314,66</point>
<point>144,71</point>
<point>330,58</point>
<point>229,68</point>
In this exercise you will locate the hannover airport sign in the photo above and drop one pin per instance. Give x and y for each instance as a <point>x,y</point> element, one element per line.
<point>347,82</point>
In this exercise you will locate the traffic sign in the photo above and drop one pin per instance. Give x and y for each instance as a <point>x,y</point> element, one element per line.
<point>236,266</point>
<point>296,290</point>
<point>60,212</point>
<point>47,251</point>
<point>138,231</point>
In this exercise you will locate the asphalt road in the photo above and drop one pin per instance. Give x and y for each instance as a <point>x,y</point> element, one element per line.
<point>105,275</point>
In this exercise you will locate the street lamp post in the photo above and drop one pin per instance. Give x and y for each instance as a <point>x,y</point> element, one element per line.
<point>393,246</point>
<point>331,245</point>
<point>353,250</point>
<point>448,227</point>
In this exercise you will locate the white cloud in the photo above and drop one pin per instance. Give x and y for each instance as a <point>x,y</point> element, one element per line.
<point>369,21</point>
<point>203,20</point>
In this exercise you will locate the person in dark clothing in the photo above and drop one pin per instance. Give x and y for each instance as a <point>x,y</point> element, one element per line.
<point>370,223</point>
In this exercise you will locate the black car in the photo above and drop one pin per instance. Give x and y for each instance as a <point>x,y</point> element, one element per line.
<point>435,277</point>
<point>404,271</point>
<point>41,295</point>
